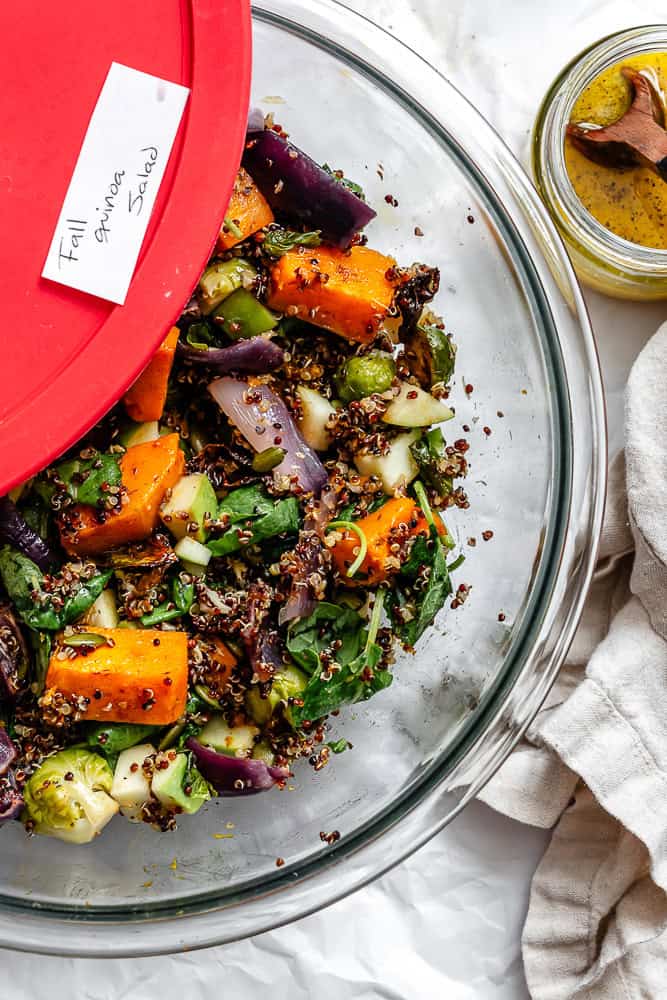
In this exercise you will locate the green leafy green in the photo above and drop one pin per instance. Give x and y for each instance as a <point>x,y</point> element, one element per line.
<point>35,513</point>
<point>41,643</point>
<point>24,582</point>
<point>200,336</point>
<point>431,458</point>
<point>279,241</point>
<point>110,739</point>
<point>414,609</point>
<point>178,734</point>
<point>245,502</point>
<point>309,637</point>
<point>345,181</point>
<point>339,746</point>
<point>423,583</point>
<point>85,479</point>
<point>282,518</point>
<point>349,512</point>
<point>183,594</point>
<point>182,597</point>
<point>354,677</point>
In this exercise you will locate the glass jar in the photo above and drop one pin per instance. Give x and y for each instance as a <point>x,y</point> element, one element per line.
<point>602,260</point>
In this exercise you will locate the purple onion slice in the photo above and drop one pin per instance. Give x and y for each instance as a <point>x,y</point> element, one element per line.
<point>256,356</point>
<point>235,775</point>
<point>300,189</point>
<point>264,420</point>
<point>13,529</point>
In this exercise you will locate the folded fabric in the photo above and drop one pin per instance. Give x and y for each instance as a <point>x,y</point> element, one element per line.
<point>594,761</point>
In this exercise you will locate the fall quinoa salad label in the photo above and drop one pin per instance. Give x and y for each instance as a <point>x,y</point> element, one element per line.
<point>115,182</point>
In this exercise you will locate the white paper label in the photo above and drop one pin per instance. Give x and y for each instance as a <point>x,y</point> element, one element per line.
<point>115,182</point>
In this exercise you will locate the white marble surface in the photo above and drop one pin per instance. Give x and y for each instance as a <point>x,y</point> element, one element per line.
<point>451,916</point>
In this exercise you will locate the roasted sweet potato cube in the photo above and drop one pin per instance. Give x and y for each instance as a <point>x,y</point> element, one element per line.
<point>348,291</point>
<point>148,471</point>
<point>139,675</point>
<point>248,211</point>
<point>146,398</point>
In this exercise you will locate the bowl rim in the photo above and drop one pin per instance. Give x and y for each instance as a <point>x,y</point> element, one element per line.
<point>438,797</point>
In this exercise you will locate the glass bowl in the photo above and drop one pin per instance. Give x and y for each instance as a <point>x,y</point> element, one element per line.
<point>357,98</point>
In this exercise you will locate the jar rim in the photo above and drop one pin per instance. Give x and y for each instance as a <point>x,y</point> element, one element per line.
<point>593,240</point>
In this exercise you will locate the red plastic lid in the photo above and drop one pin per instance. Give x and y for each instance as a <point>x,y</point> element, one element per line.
<point>66,356</point>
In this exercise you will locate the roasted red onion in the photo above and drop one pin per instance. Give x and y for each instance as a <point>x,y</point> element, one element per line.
<point>264,421</point>
<point>13,529</point>
<point>264,653</point>
<point>14,657</point>
<point>235,775</point>
<point>255,356</point>
<point>298,188</point>
<point>307,567</point>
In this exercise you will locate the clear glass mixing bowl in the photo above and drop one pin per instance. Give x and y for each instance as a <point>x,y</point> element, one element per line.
<point>355,97</point>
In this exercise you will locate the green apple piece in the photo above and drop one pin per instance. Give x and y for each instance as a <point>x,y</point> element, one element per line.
<point>193,553</point>
<point>103,612</point>
<point>413,407</point>
<point>170,782</point>
<point>192,501</point>
<point>139,433</point>
<point>131,788</point>
<point>396,468</point>
<point>315,413</point>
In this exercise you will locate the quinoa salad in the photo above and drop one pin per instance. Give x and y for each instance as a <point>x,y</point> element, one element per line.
<point>238,549</point>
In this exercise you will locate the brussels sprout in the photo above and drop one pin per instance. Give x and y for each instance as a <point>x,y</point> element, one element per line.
<point>14,657</point>
<point>68,796</point>
<point>430,355</point>
<point>289,683</point>
<point>221,279</point>
<point>364,374</point>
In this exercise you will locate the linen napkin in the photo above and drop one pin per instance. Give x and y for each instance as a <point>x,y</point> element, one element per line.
<point>594,761</point>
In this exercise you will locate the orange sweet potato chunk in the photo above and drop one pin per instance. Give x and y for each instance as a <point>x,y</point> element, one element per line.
<point>148,470</point>
<point>349,292</point>
<point>141,676</point>
<point>396,520</point>
<point>146,398</point>
<point>248,209</point>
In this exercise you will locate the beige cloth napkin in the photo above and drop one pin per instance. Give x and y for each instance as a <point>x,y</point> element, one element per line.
<point>594,762</point>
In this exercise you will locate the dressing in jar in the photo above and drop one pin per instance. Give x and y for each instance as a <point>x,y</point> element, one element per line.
<point>609,197</point>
